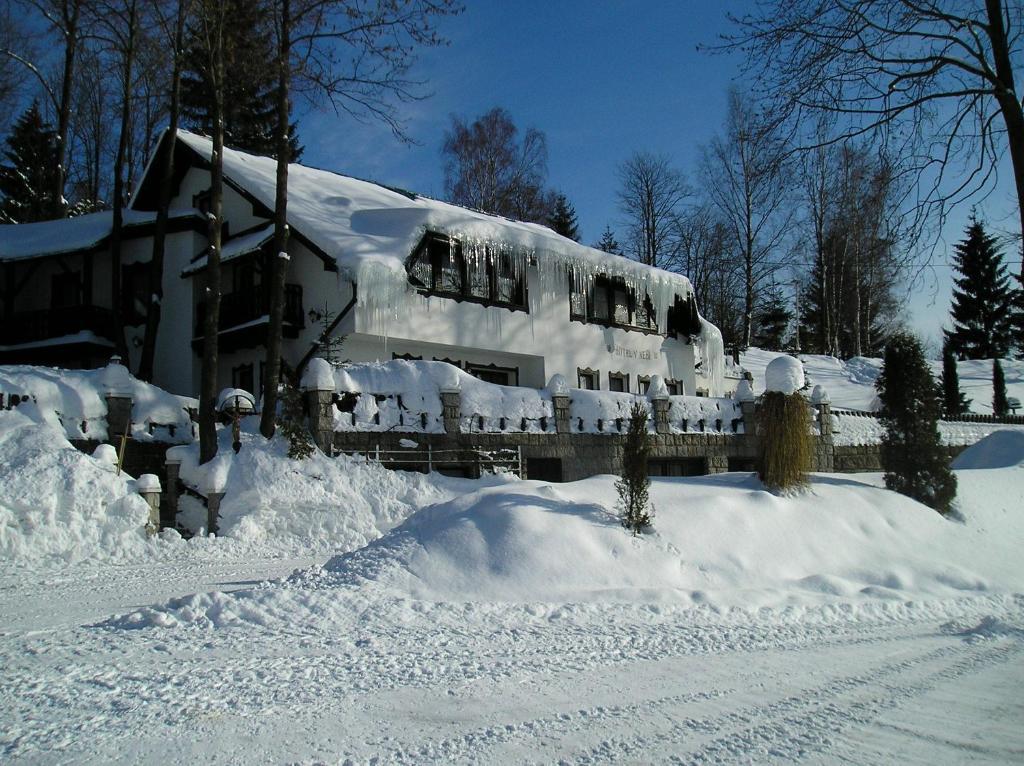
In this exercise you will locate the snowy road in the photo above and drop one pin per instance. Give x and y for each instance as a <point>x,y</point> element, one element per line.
<point>412,682</point>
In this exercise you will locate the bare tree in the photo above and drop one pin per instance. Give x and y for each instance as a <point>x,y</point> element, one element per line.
<point>651,194</point>
<point>933,75</point>
<point>211,17</point>
<point>170,27</point>
<point>488,168</point>
<point>356,57</point>
<point>746,177</point>
<point>66,20</point>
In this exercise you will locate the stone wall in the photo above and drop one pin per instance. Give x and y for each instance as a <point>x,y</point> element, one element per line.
<point>564,455</point>
<point>859,459</point>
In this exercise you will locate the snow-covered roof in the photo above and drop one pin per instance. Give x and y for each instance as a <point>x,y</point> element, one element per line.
<point>366,227</point>
<point>68,235</point>
<point>236,247</point>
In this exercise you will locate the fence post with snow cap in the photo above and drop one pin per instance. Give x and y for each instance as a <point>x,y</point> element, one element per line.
<point>214,493</point>
<point>172,466</point>
<point>451,410</point>
<point>657,392</point>
<point>560,402</point>
<point>117,387</point>
<point>148,486</point>
<point>318,388</point>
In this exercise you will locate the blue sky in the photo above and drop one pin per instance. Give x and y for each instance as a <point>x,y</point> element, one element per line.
<point>602,80</point>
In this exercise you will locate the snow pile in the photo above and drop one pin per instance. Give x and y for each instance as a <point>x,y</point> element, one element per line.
<point>274,502</point>
<point>58,504</point>
<point>77,399</point>
<point>858,430</point>
<point>1002,449</point>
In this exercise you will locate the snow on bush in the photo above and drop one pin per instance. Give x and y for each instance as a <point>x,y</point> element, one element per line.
<point>784,374</point>
<point>77,399</point>
<point>57,504</point>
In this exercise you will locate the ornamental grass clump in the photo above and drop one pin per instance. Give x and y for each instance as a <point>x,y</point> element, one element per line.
<point>784,427</point>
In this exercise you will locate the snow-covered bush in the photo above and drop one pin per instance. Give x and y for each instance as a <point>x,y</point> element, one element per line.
<point>634,485</point>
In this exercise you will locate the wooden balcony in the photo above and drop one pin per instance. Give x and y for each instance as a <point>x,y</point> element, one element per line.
<point>244,316</point>
<point>50,324</point>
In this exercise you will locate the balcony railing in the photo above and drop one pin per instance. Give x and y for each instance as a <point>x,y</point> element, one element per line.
<point>47,324</point>
<point>245,306</point>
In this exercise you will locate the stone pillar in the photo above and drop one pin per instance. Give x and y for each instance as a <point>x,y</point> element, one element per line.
<point>825,448</point>
<point>148,486</point>
<point>451,409</point>
<point>563,422</point>
<point>748,411</point>
<point>169,506</point>
<point>660,405</point>
<point>119,416</point>
<point>213,511</point>
<point>825,419</point>
<point>320,406</point>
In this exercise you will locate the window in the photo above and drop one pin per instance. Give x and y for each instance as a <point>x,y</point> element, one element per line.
<point>618,381</point>
<point>406,357</point>
<point>610,301</point>
<point>491,373</point>
<point>439,266</point>
<point>683,318</point>
<point>588,379</point>
<point>675,387</point>
<point>242,377</point>
<point>643,384</point>
<point>134,292</point>
<point>65,290</point>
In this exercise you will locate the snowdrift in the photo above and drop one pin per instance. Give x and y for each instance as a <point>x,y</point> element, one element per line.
<point>59,505</point>
<point>720,540</point>
<point>297,506</point>
<point>1003,449</point>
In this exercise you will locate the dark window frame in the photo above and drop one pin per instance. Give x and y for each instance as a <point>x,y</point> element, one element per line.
<point>512,372</point>
<point>623,378</point>
<point>436,251</point>
<point>643,383</point>
<point>615,296</point>
<point>244,373</point>
<point>585,373</point>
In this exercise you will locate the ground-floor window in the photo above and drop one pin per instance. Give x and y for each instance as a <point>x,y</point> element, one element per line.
<point>685,466</point>
<point>588,379</point>
<point>492,373</point>
<point>242,377</point>
<point>618,381</point>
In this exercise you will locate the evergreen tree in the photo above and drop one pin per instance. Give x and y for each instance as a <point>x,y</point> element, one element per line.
<point>633,487</point>
<point>771,322</point>
<point>250,81</point>
<point>1018,314</point>
<point>913,458</point>
<point>608,242</point>
<point>562,219</point>
<point>953,401</point>
<point>1000,406</point>
<point>28,176</point>
<point>982,298</point>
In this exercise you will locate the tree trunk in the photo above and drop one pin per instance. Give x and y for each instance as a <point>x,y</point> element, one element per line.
<point>1013,112</point>
<point>279,260</point>
<point>128,60</point>
<point>154,305</point>
<point>71,17</point>
<point>211,325</point>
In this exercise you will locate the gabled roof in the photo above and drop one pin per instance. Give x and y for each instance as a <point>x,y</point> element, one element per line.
<point>368,229</point>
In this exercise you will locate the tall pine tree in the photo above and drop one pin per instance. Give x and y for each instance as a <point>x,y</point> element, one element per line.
<point>562,219</point>
<point>953,400</point>
<point>771,320</point>
<point>28,177</point>
<point>250,109</point>
<point>982,298</point>
<point>914,460</point>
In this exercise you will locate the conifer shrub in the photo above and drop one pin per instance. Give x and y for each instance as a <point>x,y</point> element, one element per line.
<point>1000,404</point>
<point>953,400</point>
<point>635,510</point>
<point>913,458</point>
<point>784,428</point>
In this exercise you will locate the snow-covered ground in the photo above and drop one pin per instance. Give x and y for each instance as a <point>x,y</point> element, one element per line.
<point>422,619</point>
<point>851,383</point>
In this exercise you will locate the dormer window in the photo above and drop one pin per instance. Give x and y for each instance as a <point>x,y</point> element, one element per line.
<point>610,301</point>
<point>441,266</point>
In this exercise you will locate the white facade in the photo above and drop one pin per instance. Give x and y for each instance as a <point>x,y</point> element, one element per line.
<point>349,254</point>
